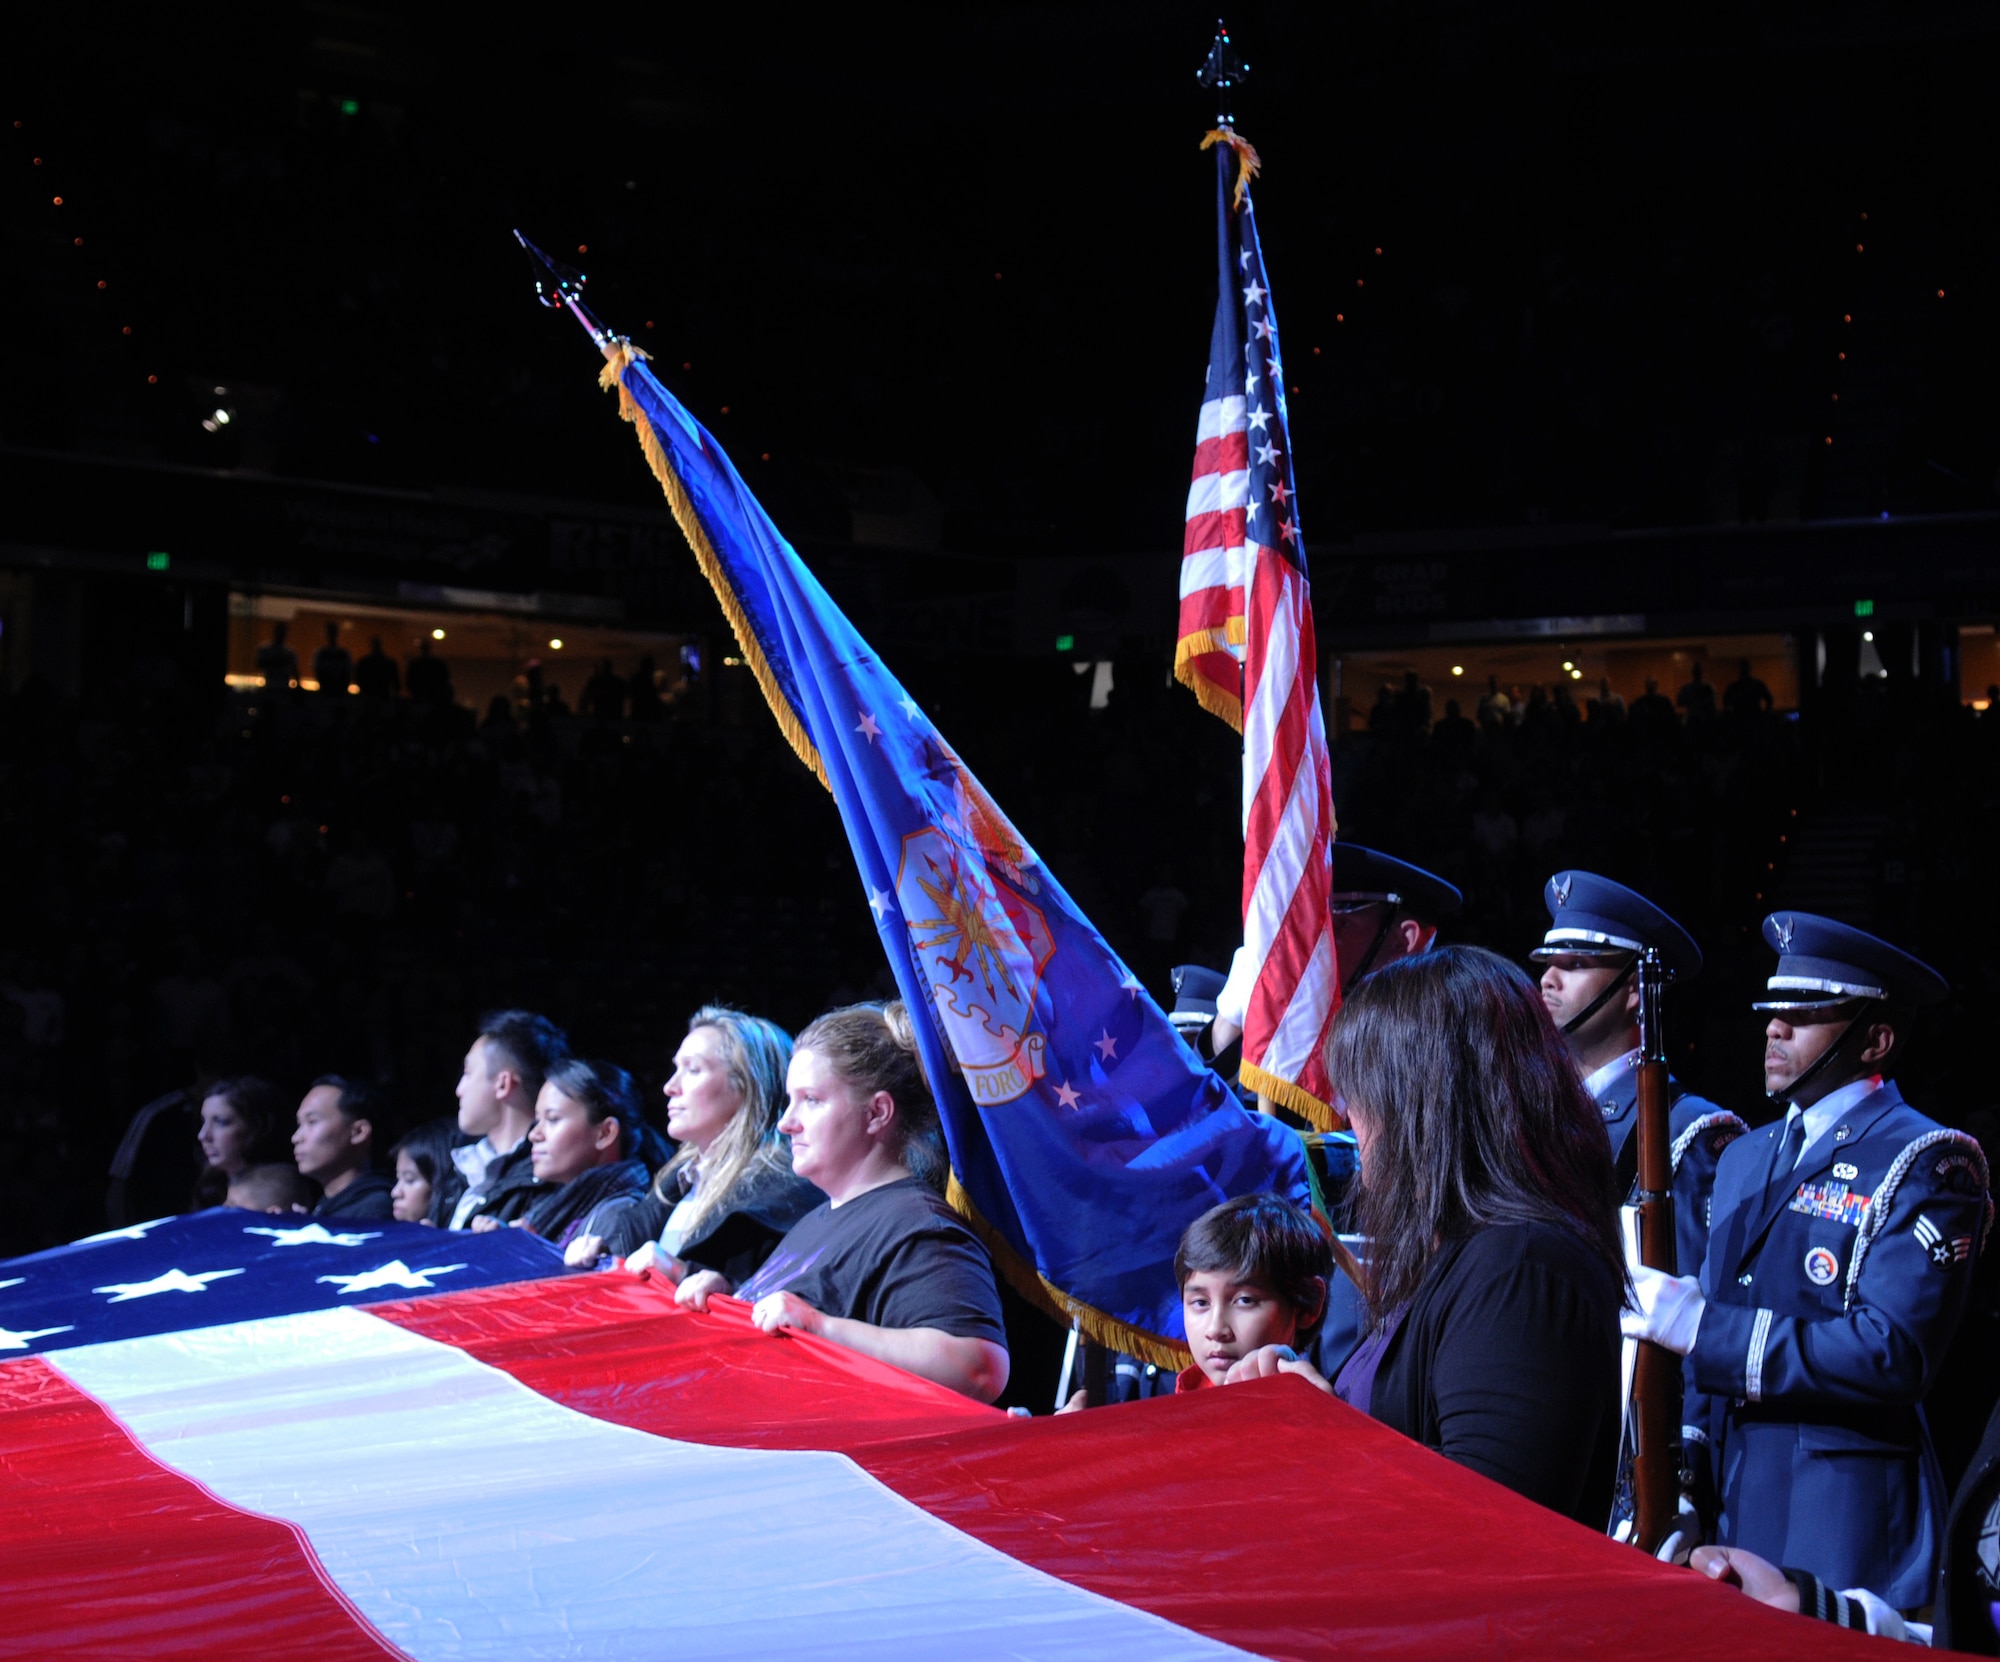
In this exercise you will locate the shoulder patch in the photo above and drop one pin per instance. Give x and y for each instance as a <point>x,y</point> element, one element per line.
<point>1962,1171</point>
<point>1713,1131</point>
<point>1949,1160</point>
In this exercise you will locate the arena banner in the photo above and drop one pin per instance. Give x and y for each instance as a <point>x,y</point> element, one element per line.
<point>580,1468</point>
<point>1085,1136</point>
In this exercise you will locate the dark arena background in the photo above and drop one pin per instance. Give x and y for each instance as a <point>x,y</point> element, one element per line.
<point>1626,348</point>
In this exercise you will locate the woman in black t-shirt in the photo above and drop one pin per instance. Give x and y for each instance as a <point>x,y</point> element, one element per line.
<point>884,1267</point>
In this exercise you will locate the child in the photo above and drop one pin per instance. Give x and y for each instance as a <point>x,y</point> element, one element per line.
<point>1253,1273</point>
<point>271,1188</point>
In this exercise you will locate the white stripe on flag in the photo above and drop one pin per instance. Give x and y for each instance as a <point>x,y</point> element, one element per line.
<point>466,1516</point>
<point>1211,568</point>
<point>1291,1046</point>
<point>1211,493</point>
<point>1219,416</point>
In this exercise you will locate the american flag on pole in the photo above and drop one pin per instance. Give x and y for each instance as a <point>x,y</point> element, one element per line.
<point>1247,650</point>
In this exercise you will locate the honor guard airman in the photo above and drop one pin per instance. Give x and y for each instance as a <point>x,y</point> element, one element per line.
<point>1839,1262</point>
<point>1590,983</point>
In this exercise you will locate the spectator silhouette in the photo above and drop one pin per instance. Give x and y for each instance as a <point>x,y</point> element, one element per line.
<point>645,691</point>
<point>1652,713</point>
<point>428,677</point>
<point>376,675</point>
<point>333,664</point>
<point>1697,698</point>
<point>1746,697</point>
<point>277,662</point>
<point>604,695</point>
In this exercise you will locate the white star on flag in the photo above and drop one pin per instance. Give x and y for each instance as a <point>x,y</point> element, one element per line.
<point>1254,294</point>
<point>10,1340</point>
<point>1250,380</point>
<point>174,1281</point>
<point>1067,1097</point>
<point>1285,529</point>
<point>911,707</point>
<point>395,1273</point>
<point>312,1234</point>
<point>1243,259</point>
<point>1132,984</point>
<point>1267,453</point>
<point>1277,370</point>
<point>131,1232</point>
<point>867,729</point>
<point>1259,418</point>
<point>878,899</point>
<point>1263,328</point>
<point>1279,493</point>
<point>1107,1047</point>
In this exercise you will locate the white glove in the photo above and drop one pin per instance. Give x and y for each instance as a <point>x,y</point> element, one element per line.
<point>1667,1309</point>
<point>1232,1004</point>
<point>1681,1540</point>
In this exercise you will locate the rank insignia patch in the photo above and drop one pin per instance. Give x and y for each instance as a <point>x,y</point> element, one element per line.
<point>1834,1202</point>
<point>1943,1253</point>
<point>1821,1267</point>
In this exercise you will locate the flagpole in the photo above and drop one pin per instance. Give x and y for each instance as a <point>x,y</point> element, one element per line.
<point>562,288</point>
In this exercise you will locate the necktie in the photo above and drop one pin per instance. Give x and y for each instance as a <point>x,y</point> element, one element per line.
<point>1790,1146</point>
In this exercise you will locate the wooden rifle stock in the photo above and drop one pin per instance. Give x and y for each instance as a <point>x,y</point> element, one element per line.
<point>1656,1374</point>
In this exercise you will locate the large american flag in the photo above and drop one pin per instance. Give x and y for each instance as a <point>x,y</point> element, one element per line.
<point>1247,650</point>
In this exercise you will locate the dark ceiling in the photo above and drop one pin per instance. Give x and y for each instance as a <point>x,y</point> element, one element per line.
<point>1532,264</point>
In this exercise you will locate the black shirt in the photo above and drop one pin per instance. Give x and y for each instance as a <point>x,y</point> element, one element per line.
<point>896,1257</point>
<point>367,1196</point>
<point>1508,1363</point>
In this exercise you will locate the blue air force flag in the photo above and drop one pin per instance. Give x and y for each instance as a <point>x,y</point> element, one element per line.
<point>1084,1135</point>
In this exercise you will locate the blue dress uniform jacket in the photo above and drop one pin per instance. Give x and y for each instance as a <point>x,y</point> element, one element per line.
<point>1700,1130</point>
<point>1831,1299</point>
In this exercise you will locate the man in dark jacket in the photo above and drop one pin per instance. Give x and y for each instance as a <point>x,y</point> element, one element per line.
<point>335,1146</point>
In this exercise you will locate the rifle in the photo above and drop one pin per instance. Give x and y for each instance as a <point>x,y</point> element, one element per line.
<point>1656,1373</point>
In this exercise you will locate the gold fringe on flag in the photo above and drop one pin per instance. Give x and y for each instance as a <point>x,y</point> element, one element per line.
<point>1248,166</point>
<point>619,355</point>
<point>1051,1300</point>
<point>1318,1114</point>
<point>1217,701</point>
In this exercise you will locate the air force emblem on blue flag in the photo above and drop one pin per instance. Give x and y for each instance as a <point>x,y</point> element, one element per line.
<point>963,888</point>
<point>984,948</point>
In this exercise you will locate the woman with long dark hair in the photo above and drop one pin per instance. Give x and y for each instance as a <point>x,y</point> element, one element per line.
<point>245,1122</point>
<point>1495,1271</point>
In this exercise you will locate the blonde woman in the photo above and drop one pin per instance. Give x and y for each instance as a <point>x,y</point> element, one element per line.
<point>729,1193</point>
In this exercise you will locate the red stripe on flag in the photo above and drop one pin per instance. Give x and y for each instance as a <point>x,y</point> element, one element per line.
<point>1229,453</point>
<point>1217,528</point>
<point>105,1553</point>
<point>1126,1502</point>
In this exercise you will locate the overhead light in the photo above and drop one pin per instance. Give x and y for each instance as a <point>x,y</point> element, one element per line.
<point>1868,635</point>
<point>555,645</point>
<point>437,634</point>
<point>209,425</point>
<point>222,418</point>
<point>1458,669</point>
<point>1569,666</point>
